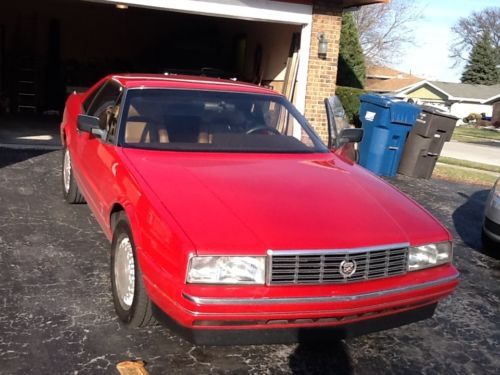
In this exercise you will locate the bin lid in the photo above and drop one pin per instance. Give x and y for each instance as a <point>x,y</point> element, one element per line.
<point>380,100</point>
<point>437,112</point>
<point>404,113</point>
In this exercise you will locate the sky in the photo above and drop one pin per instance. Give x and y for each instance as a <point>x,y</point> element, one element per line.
<point>428,58</point>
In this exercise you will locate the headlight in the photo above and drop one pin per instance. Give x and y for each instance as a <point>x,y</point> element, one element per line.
<point>227,270</point>
<point>429,255</point>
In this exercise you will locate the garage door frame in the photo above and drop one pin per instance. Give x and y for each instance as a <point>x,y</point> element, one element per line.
<point>250,10</point>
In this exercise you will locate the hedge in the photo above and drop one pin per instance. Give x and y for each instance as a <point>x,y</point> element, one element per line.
<point>349,97</point>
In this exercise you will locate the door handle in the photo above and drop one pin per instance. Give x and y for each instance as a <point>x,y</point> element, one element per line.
<point>393,148</point>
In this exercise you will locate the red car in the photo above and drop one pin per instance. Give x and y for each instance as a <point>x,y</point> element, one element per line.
<point>227,212</point>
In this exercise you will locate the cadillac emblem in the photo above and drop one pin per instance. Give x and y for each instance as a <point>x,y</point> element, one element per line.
<point>347,268</point>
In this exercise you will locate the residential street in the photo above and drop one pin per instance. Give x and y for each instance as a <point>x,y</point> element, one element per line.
<point>473,152</point>
<point>56,313</point>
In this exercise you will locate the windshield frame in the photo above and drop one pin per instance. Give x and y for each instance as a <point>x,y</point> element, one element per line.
<point>319,146</point>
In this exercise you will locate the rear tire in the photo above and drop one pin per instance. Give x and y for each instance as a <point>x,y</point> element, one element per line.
<point>71,193</point>
<point>488,243</point>
<point>132,304</point>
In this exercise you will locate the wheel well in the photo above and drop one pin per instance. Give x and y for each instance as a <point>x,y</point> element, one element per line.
<point>115,214</point>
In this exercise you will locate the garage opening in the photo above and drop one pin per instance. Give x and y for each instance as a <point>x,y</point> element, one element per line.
<point>51,48</point>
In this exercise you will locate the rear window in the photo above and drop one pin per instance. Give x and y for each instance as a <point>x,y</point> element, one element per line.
<point>192,120</point>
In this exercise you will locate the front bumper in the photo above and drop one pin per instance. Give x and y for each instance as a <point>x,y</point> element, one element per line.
<point>295,308</point>
<point>291,335</point>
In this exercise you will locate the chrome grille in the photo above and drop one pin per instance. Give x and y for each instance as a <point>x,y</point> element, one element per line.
<point>324,268</point>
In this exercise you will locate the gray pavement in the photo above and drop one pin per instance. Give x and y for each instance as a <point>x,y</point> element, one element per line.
<point>56,313</point>
<point>472,152</point>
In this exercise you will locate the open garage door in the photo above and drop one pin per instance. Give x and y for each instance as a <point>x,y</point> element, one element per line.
<point>56,46</point>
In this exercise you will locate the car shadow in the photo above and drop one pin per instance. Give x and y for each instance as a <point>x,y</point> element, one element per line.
<point>317,353</point>
<point>9,156</point>
<point>321,358</point>
<point>468,221</point>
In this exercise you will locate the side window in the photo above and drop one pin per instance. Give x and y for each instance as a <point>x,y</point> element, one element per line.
<point>90,99</point>
<point>104,105</point>
<point>112,118</point>
<point>106,97</point>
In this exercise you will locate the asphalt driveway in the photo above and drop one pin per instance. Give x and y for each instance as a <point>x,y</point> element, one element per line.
<point>56,314</point>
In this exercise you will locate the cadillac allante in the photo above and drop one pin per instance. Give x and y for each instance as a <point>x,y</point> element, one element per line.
<point>229,218</point>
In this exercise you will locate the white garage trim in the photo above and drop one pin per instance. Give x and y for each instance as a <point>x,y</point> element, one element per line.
<point>254,10</point>
<point>305,45</point>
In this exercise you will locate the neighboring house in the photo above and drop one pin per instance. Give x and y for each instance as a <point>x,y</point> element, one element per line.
<point>495,115</point>
<point>49,47</point>
<point>493,99</point>
<point>460,99</point>
<point>383,80</point>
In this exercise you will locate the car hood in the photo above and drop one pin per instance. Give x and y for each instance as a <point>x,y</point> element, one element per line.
<point>248,203</point>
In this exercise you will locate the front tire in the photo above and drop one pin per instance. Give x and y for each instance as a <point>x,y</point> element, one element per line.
<point>71,193</point>
<point>132,304</point>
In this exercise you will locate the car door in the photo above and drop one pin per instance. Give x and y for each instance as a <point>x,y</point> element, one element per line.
<point>75,145</point>
<point>337,121</point>
<point>97,156</point>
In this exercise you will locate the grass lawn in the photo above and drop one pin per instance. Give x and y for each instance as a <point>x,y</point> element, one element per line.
<point>466,171</point>
<point>467,175</point>
<point>471,134</point>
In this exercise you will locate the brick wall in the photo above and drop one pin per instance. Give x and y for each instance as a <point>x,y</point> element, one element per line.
<point>322,72</point>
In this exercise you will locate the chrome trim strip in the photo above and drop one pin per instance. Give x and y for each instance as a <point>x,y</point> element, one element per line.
<point>339,251</point>
<point>294,300</point>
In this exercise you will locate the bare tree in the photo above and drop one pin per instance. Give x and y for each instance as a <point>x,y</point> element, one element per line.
<point>468,31</point>
<point>384,29</point>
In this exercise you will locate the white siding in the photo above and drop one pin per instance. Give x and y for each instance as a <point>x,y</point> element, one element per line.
<point>462,110</point>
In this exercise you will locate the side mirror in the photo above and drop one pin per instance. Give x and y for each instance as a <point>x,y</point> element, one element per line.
<point>350,135</point>
<point>90,124</point>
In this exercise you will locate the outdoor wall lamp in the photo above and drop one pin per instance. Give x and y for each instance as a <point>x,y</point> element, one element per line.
<point>322,45</point>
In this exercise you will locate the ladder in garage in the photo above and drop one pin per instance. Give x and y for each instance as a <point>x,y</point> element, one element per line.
<point>26,86</point>
<point>26,55</point>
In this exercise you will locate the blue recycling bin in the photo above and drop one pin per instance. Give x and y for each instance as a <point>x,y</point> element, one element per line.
<point>386,125</point>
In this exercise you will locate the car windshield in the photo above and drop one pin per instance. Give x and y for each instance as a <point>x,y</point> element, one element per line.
<point>195,120</point>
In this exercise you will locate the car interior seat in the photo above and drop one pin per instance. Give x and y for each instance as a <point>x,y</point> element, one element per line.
<point>141,128</point>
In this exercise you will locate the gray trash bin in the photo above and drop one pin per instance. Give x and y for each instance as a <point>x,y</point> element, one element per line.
<point>425,142</point>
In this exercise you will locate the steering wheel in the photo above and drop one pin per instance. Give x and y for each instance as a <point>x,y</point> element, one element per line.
<point>264,129</point>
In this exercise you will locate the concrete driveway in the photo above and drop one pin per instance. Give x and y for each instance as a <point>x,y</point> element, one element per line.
<point>473,152</point>
<point>56,314</point>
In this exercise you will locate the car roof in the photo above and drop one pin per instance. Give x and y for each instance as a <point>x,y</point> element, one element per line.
<point>187,82</point>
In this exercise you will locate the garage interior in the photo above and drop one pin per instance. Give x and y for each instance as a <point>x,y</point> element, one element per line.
<point>50,48</point>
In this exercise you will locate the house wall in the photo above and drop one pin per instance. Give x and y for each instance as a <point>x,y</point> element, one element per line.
<point>322,72</point>
<point>427,93</point>
<point>462,110</point>
<point>495,120</point>
<point>274,41</point>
